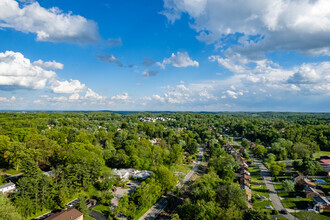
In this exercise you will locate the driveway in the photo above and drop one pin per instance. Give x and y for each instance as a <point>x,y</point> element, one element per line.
<point>120,192</point>
<point>271,189</point>
<point>97,215</point>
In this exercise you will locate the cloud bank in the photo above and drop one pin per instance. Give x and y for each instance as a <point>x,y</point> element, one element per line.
<point>48,24</point>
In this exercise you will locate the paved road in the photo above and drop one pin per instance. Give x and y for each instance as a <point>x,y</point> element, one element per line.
<point>155,210</point>
<point>271,189</point>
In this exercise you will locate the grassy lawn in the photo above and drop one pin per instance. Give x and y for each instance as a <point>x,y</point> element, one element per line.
<point>321,153</point>
<point>259,190</point>
<point>281,178</point>
<point>325,189</point>
<point>105,210</point>
<point>11,171</point>
<point>278,186</point>
<point>185,168</point>
<point>262,204</point>
<point>312,215</point>
<point>301,203</point>
<point>286,194</point>
<point>255,174</point>
<point>86,217</point>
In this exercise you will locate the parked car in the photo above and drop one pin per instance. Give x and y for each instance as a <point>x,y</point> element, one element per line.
<point>283,211</point>
<point>269,207</point>
<point>261,197</point>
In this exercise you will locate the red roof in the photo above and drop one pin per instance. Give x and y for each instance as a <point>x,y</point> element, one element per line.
<point>325,161</point>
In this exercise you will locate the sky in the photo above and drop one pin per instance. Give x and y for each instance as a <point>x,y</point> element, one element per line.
<point>165,55</point>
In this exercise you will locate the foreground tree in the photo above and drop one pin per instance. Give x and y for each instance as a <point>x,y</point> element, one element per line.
<point>7,210</point>
<point>288,185</point>
<point>82,205</point>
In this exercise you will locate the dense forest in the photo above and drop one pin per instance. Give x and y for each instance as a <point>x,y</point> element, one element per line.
<point>82,148</point>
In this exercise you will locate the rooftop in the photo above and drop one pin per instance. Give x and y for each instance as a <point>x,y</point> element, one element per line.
<point>6,185</point>
<point>325,162</point>
<point>321,199</point>
<point>69,214</point>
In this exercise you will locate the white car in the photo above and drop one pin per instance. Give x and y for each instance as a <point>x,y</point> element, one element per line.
<point>269,207</point>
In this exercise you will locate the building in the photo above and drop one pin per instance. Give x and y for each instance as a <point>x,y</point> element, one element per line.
<point>127,173</point>
<point>7,188</point>
<point>325,163</point>
<point>70,214</point>
<point>50,173</point>
<point>91,203</point>
<point>248,195</point>
<point>155,141</point>
<point>310,192</point>
<point>321,203</point>
<point>301,180</point>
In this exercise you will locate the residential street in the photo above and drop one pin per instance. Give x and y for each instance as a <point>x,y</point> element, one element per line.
<point>156,209</point>
<point>270,186</point>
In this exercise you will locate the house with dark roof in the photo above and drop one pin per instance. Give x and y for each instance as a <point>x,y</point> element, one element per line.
<point>311,192</point>
<point>69,214</point>
<point>7,188</point>
<point>321,203</point>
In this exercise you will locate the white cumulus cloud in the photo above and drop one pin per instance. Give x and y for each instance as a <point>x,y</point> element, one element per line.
<point>72,86</point>
<point>49,24</point>
<point>91,95</point>
<point>263,25</point>
<point>52,65</point>
<point>16,71</point>
<point>180,59</point>
<point>121,97</point>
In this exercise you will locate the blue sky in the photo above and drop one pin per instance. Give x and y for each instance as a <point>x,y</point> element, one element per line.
<point>185,55</point>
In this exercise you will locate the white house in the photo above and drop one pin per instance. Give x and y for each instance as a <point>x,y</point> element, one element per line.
<point>7,188</point>
<point>127,173</point>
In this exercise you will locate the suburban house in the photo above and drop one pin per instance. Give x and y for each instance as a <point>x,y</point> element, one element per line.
<point>244,171</point>
<point>325,163</point>
<point>7,188</point>
<point>244,182</point>
<point>244,165</point>
<point>70,214</point>
<point>321,203</point>
<point>127,173</point>
<point>230,149</point>
<point>302,180</point>
<point>155,141</point>
<point>311,192</point>
<point>50,173</point>
<point>248,195</point>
